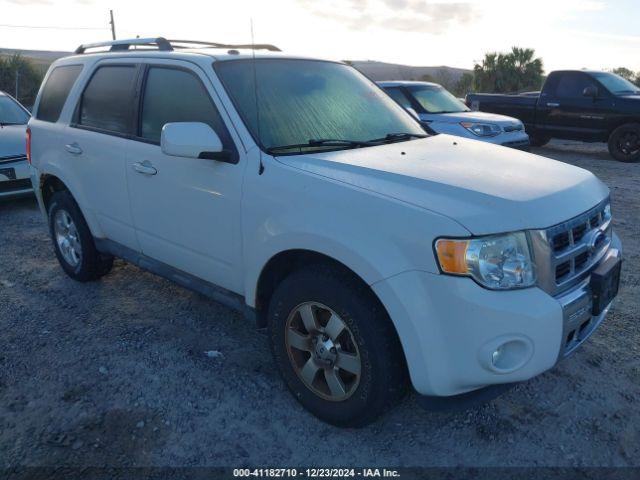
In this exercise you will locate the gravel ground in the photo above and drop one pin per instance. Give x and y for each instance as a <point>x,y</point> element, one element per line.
<point>114,373</point>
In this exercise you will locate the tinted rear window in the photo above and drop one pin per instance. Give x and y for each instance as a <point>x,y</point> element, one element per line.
<point>107,101</point>
<point>55,92</point>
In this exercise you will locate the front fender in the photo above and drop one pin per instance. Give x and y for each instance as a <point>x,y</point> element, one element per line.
<point>373,235</point>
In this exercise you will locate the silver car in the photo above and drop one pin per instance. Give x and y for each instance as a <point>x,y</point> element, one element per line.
<point>441,112</point>
<point>14,168</point>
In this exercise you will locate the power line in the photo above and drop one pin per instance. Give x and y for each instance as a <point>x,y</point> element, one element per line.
<point>53,28</point>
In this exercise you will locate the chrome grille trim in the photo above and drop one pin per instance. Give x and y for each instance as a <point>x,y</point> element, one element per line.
<point>550,260</point>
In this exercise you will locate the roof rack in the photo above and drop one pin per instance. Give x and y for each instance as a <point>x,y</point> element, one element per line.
<point>251,46</point>
<point>161,43</point>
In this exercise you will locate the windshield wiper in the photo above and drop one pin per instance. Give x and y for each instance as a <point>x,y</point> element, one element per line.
<point>398,137</point>
<point>321,142</point>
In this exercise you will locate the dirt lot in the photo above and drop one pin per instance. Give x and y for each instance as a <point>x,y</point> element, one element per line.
<point>114,373</point>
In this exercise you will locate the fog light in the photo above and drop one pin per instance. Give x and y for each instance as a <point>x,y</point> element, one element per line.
<point>495,356</point>
<point>506,354</point>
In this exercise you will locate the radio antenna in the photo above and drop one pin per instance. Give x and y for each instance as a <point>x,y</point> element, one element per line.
<point>255,93</point>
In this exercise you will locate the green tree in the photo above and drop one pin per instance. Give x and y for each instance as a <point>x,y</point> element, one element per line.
<point>17,70</point>
<point>464,85</point>
<point>515,71</point>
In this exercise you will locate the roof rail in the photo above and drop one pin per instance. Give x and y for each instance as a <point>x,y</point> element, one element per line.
<point>122,45</point>
<point>163,44</point>
<point>251,46</point>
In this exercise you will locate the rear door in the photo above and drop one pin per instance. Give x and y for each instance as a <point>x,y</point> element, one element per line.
<point>187,210</point>
<point>563,111</point>
<point>96,142</point>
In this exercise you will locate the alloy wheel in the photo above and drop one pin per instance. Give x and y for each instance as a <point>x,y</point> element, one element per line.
<point>67,238</point>
<point>322,351</point>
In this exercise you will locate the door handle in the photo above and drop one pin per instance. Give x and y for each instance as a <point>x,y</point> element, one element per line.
<point>73,148</point>
<point>145,168</point>
<point>552,104</point>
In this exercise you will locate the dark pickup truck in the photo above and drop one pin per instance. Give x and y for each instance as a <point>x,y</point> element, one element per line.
<point>576,105</point>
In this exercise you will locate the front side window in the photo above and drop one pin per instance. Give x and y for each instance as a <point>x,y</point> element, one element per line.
<point>55,92</point>
<point>173,95</point>
<point>435,99</point>
<point>107,101</point>
<point>572,85</point>
<point>11,113</point>
<point>303,100</point>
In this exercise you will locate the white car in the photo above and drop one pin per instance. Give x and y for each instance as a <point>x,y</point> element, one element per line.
<point>316,205</point>
<point>14,169</point>
<point>441,112</point>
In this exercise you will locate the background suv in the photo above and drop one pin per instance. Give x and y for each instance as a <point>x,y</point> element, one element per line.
<point>442,112</point>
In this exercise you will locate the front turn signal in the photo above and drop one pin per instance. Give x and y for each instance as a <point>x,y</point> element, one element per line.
<point>452,255</point>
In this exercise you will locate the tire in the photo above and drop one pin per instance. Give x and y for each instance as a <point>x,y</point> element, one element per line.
<point>70,233</point>
<point>538,141</point>
<point>624,143</point>
<point>368,335</point>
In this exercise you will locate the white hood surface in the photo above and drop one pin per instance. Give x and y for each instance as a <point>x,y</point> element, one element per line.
<point>472,116</point>
<point>486,188</point>
<point>12,140</point>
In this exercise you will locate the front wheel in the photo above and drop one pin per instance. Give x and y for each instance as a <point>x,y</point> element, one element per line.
<point>73,242</point>
<point>624,143</point>
<point>335,346</point>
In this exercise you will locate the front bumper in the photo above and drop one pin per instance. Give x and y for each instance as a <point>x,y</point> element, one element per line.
<point>450,328</point>
<point>15,179</point>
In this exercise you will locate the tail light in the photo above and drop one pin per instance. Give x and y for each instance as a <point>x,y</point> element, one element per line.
<point>28,145</point>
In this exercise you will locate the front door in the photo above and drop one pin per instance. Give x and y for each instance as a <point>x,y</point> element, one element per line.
<point>186,211</point>
<point>565,112</point>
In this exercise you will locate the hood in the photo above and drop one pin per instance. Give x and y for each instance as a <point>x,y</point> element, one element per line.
<point>486,188</point>
<point>472,116</point>
<point>12,140</point>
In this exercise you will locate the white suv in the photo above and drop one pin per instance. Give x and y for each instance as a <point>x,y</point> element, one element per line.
<point>297,191</point>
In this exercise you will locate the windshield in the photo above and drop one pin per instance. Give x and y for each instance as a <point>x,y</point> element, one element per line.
<point>11,113</point>
<point>435,99</point>
<point>306,103</point>
<point>615,83</point>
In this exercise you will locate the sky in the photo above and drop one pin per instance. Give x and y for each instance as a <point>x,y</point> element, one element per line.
<point>570,34</point>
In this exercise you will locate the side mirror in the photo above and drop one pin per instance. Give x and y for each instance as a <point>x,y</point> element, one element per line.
<point>590,91</point>
<point>192,140</point>
<point>413,113</point>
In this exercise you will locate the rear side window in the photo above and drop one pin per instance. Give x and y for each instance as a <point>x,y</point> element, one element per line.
<point>173,95</point>
<point>107,101</point>
<point>55,92</point>
<point>399,96</point>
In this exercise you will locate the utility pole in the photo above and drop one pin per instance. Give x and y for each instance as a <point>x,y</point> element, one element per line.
<point>113,25</point>
<point>17,83</point>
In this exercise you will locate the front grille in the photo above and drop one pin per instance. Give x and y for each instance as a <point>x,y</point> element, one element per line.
<point>513,128</point>
<point>15,185</point>
<point>576,245</point>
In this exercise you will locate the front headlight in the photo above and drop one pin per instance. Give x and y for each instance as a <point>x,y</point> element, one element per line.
<point>498,262</point>
<point>482,129</point>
